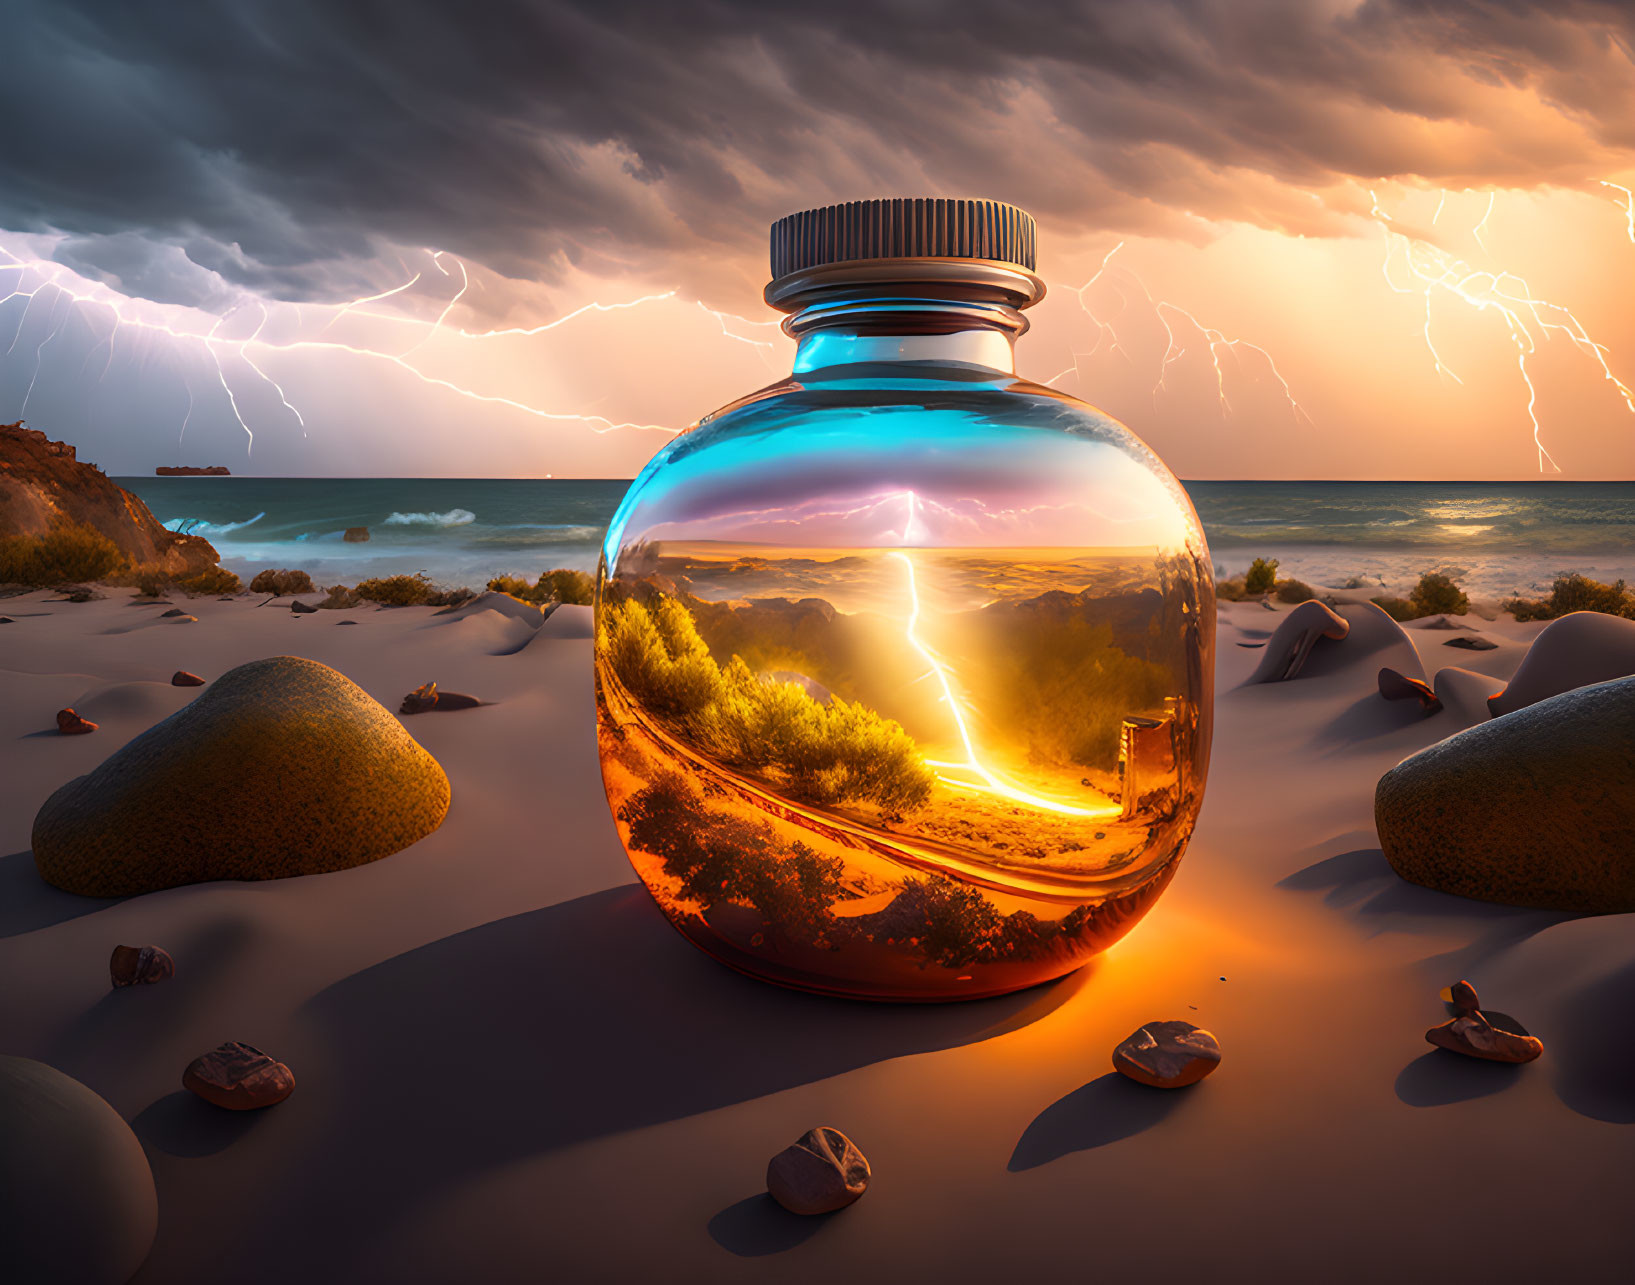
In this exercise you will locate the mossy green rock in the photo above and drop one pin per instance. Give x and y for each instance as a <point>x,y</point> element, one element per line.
<point>1536,808</point>
<point>281,767</point>
<point>79,1206</point>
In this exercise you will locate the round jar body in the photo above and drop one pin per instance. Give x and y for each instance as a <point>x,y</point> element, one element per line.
<point>903,676</point>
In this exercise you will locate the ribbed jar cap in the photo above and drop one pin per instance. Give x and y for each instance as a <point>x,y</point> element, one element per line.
<point>903,228</point>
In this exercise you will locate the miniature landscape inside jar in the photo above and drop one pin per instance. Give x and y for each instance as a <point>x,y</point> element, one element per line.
<point>931,738</point>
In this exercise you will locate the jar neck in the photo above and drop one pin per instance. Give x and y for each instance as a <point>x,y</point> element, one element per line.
<point>889,339</point>
<point>906,310</point>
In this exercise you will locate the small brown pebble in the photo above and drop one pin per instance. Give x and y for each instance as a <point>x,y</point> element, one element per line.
<point>302,609</point>
<point>174,611</point>
<point>822,1172</point>
<point>181,678</point>
<point>1474,1036</point>
<point>140,965</point>
<point>1462,995</point>
<point>71,724</point>
<point>1168,1055</point>
<point>7,620</point>
<point>420,700</point>
<point>239,1077</point>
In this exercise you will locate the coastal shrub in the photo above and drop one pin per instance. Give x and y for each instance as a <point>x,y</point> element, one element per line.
<point>1261,576</point>
<point>212,580</point>
<point>562,585</point>
<point>1437,595</point>
<point>1231,590</point>
<point>450,597</point>
<point>398,591</point>
<point>65,554</point>
<point>1294,591</point>
<point>1396,608</point>
<point>283,584</point>
<point>824,752</point>
<point>718,856</point>
<point>1574,592</point>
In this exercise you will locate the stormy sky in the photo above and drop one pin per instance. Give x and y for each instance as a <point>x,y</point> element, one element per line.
<point>216,180</point>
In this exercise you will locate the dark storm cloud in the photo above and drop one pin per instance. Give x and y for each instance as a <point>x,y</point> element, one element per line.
<point>284,143</point>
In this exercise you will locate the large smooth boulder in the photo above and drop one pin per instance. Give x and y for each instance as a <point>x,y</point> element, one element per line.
<point>79,1206</point>
<point>1535,808</point>
<point>282,767</point>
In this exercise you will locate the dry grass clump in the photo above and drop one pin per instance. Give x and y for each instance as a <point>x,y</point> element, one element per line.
<point>1294,591</point>
<point>1573,592</point>
<point>561,585</point>
<point>70,553</point>
<point>341,597</point>
<point>214,581</point>
<point>283,584</point>
<point>409,591</point>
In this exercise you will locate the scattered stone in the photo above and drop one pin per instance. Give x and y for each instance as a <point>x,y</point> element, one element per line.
<point>356,534</point>
<point>71,724</point>
<point>420,700</point>
<point>7,620</point>
<point>1168,1055</point>
<point>1291,642</point>
<point>302,609</point>
<point>140,965</point>
<point>822,1172</point>
<point>174,611</point>
<point>1462,995</point>
<point>80,595</point>
<point>1473,642</point>
<point>182,678</point>
<point>1534,808</point>
<point>80,1202</point>
<point>279,767</point>
<point>1474,1036</point>
<point>1438,622</point>
<point>346,622</point>
<point>1395,686</point>
<point>239,1077</point>
<point>186,619</point>
<point>426,698</point>
<point>1266,603</point>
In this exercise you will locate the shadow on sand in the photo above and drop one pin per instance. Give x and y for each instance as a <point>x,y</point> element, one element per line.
<point>561,1025</point>
<point>1105,1110</point>
<point>1362,884</point>
<point>1440,1078</point>
<point>181,1124</point>
<point>28,902</point>
<point>1592,1046</point>
<point>758,1225</point>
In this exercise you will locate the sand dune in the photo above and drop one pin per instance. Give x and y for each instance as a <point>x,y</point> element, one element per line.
<point>511,1069</point>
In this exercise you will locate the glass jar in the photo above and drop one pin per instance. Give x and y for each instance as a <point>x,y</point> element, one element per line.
<point>904,664</point>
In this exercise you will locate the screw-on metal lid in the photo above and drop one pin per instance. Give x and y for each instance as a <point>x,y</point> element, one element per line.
<point>909,228</point>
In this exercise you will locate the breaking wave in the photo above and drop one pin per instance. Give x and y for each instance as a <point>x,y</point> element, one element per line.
<point>454,517</point>
<point>198,526</point>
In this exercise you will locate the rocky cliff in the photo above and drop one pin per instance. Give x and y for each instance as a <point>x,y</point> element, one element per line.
<point>42,485</point>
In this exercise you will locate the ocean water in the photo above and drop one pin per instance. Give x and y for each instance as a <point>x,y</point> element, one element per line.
<point>1498,539</point>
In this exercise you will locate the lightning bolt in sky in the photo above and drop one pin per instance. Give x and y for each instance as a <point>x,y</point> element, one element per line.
<point>1431,270</point>
<point>1170,316</point>
<point>42,280</point>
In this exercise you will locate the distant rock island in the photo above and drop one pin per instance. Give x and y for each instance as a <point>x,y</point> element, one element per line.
<point>191,470</point>
<point>43,485</point>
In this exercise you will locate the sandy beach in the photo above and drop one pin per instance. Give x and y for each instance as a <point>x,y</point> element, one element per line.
<point>510,1067</point>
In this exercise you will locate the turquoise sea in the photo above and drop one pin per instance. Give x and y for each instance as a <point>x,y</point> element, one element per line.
<point>1500,538</point>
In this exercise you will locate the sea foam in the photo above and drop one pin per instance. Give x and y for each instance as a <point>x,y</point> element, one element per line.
<point>454,517</point>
